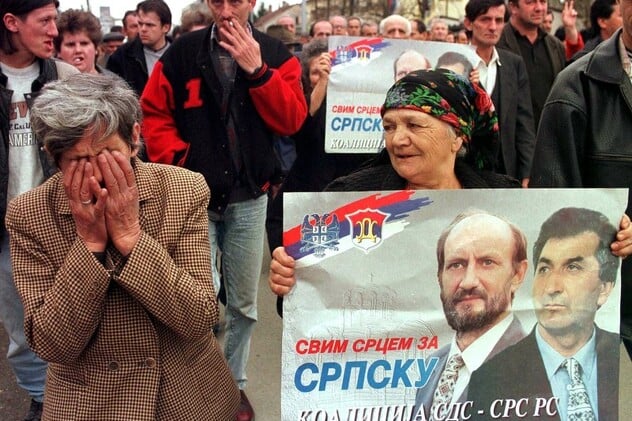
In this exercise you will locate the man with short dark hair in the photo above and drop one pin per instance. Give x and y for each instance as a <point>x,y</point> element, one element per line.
<point>321,29</point>
<point>543,54</point>
<point>605,19</point>
<point>111,42</point>
<point>134,61</point>
<point>482,261</point>
<point>369,29</point>
<point>566,359</point>
<point>27,35</point>
<point>547,22</point>
<point>418,30</point>
<point>213,105</point>
<point>504,76</point>
<point>130,25</point>
<point>354,24</point>
<point>108,46</point>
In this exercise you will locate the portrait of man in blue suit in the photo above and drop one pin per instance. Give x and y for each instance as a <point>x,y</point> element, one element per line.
<point>575,273</point>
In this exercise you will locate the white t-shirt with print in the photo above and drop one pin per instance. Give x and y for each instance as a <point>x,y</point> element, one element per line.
<point>25,168</point>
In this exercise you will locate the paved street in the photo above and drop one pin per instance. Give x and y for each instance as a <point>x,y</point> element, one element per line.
<point>264,370</point>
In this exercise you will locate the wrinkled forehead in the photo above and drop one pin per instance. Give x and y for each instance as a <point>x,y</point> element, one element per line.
<point>392,25</point>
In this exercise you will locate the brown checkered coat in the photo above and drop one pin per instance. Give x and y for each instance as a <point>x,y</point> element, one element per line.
<point>134,342</point>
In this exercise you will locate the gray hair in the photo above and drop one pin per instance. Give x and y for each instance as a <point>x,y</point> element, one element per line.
<point>435,21</point>
<point>81,105</point>
<point>395,18</point>
<point>310,50</point>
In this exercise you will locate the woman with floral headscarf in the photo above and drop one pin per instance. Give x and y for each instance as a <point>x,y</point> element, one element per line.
<point>441,132</point>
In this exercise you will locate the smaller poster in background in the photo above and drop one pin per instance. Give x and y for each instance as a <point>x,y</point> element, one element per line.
<point>363,69</point>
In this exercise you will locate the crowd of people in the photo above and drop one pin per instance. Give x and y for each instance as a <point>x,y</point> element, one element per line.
<point>112,257</point>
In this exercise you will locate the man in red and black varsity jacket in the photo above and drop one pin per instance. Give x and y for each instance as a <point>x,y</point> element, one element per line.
<point>213,103</point>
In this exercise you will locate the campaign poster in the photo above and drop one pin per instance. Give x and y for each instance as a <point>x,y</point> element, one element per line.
<point>362,71</point>
<point>365,321</point>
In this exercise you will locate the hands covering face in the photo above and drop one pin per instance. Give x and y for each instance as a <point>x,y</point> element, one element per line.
<point>107,211</point>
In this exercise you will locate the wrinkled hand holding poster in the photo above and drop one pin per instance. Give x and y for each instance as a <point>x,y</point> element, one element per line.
<point>362,70</point>
<point>363,327</point>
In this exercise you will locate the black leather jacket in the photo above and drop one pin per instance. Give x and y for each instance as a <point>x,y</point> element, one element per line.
<point>128,61</point>
<point>584,135</point>
<point>48,72</point>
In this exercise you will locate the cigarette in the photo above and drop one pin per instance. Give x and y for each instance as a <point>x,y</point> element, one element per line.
<point>230,22</point>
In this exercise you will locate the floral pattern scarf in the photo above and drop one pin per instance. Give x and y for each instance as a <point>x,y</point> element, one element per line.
<point>451,98</point>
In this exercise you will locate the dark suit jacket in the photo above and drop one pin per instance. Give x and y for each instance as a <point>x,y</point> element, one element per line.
<point>512,99</point>
<point>514,333</point>
<point>518,372</point>
<point>128,61</point>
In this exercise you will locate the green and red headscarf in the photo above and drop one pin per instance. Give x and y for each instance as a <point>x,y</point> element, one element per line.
<point>451,98</point>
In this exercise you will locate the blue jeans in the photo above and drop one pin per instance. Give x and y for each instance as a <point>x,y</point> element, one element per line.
<point>29,369</point>
<point>239,235</point>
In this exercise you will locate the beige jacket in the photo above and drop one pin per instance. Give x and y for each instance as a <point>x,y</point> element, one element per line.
<point>131,340</point>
